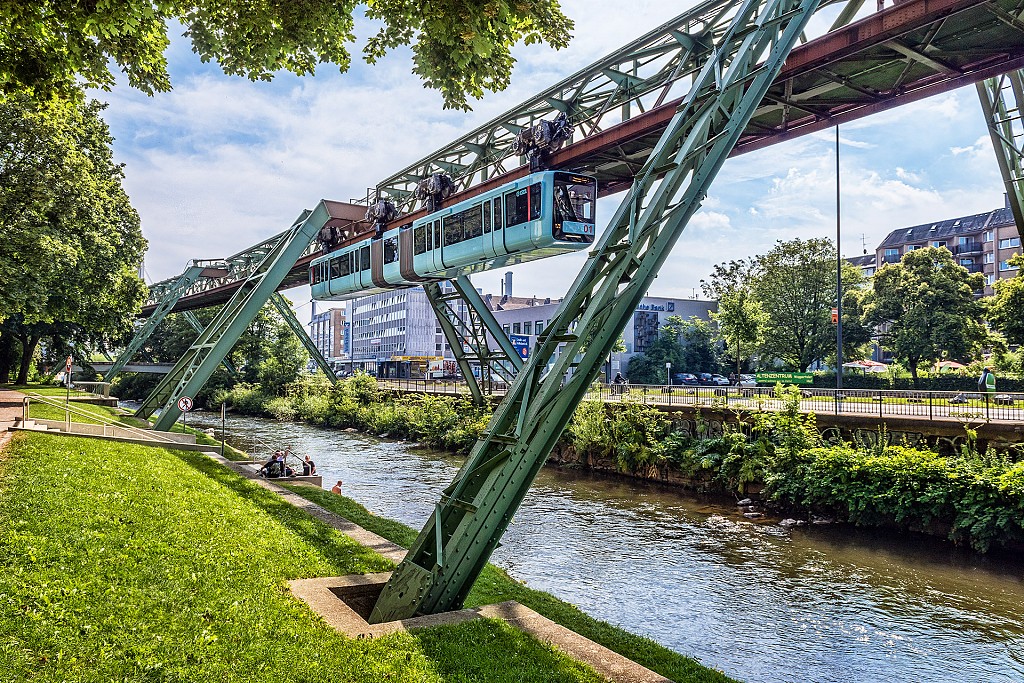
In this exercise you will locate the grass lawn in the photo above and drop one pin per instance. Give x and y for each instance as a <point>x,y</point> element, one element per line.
<point>128,563</point>
<point>494,585</point>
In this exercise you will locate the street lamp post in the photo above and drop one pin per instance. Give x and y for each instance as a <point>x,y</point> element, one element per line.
<point>668,374</point>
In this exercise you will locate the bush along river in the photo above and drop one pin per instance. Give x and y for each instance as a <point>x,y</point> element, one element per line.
<point>759,601</point>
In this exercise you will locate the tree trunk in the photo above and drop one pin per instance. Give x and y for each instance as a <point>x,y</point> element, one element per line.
<point>28,349</point>
<point>913,370</point>
<point>6,356</point>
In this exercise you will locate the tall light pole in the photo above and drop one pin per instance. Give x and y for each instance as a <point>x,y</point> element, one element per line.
<point>668,373</point>
<point>839,280</point>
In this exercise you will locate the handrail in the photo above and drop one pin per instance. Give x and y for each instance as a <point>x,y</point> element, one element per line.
<point>147,434</point>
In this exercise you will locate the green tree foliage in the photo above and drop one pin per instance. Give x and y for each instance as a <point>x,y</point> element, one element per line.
<point>741,322</point>
<point>71,239</point>
<point>1006,308</point>
<point>925,310</point>
<point>688,344</point>
<point>461,49</point>
<point>795,284</point>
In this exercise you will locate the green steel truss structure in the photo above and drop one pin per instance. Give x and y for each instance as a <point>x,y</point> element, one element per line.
<point>293,323</point>
<point>210,348</point>
<point>744,51</point>
<point>466,323</point>
<point>197,325</point>
<point>1002,100</point>
<point>166,293</point>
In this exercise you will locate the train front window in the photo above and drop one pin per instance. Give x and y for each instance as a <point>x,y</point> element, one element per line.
<point>574,198</point>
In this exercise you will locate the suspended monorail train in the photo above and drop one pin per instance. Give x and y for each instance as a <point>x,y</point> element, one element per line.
<point>540,215</point>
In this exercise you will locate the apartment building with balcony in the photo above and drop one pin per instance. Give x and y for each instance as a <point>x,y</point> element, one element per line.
<point>329,333</point>
<point>982,243</point>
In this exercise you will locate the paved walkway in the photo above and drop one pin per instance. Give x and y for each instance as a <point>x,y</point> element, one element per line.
<point>10,408</point>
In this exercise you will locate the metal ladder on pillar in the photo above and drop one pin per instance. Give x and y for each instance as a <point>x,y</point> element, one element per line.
<point>478,506</point>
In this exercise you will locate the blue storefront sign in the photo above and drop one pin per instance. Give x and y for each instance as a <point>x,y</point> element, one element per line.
<point>521,343</point>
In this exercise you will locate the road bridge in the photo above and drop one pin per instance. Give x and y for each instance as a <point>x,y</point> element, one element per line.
<point>657,120</point>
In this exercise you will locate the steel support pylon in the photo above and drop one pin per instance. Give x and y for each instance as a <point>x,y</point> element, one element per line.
<point>293,323</point>
<point>1002,100</point>
<point>477,507</point>
<point>190,373</point>
<point>170,297</point>
<point>193,320</point>
<point>465,322</point>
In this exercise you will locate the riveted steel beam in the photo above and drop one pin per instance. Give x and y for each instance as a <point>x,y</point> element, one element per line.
<point>1002,101</point>
<point>476,508</point>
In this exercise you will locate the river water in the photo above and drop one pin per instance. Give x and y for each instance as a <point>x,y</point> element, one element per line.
<point>759,602</point>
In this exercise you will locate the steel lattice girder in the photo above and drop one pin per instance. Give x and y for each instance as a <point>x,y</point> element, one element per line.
<point>166,295</point>
<point>477,507</point>
<point>197,364</point>
<point>289,318</point>
<point>465,322</point>
<point>193,320</point>
<point>1002,100</point>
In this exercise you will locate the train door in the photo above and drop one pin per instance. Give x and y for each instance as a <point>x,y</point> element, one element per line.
<point>498,226</point>
<point>489,234</point>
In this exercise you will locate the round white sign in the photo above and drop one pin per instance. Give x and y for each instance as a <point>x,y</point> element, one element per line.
<point>184,404</point>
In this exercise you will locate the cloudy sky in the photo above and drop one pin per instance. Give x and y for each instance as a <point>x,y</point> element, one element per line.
<point>221,163</point>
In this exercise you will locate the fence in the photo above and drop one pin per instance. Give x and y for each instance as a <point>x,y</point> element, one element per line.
<point>945,405</point>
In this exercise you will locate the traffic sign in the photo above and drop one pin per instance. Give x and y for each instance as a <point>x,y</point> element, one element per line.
<point>67,365</point>
<point>185,404</point>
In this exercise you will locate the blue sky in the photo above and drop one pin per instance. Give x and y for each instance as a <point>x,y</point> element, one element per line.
<point>221,163</point>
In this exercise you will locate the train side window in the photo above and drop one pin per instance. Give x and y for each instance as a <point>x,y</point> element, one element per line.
<point>487,217</point>
<point>471,224</point>
<point>419,240</point>
<point>497,213</point>
<point>428,230</point>
<point>452,229</point>
<point>390,250</point>
<point>437,234</point>
<point>534,201</point>
<point>516,207</point>
<point>364,258</point>
<point>345,266</point>
<point>335,268</point>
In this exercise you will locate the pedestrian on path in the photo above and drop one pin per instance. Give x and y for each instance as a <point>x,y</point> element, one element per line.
<point>987,382</point>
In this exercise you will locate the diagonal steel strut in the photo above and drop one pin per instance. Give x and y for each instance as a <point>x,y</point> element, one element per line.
<point>296,327</point>
<point>1002,100</point>
<point>476,508</point>
<point>466,322</point>
<point>192,370</point>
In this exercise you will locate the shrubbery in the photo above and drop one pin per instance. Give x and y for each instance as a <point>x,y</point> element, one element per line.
<point>447,422</point>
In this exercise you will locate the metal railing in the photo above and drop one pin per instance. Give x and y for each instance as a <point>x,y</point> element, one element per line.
<point>963,406</point>
<point>106,422</point>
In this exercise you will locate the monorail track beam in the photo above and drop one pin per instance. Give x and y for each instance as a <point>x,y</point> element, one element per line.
<point>1002,101</point>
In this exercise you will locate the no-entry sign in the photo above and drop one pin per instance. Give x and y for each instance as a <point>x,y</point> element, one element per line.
<point>185,404</point>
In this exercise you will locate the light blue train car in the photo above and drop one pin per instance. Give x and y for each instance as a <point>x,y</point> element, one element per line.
<point>540,215</point>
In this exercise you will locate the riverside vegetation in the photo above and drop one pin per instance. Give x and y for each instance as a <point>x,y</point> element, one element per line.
<point>974,498</point>
<point>125,562</point>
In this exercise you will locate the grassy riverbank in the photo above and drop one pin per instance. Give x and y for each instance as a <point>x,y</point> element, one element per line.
<point>124,562</point>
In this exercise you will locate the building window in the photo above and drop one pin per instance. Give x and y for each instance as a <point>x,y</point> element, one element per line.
<point>517,328</point>
<point>1005,265</point>
<point>527,327</point>
<point>506,329</point>
<point>892,255</point>
<point>539,326</point>
<point>1009,243</point>
<point>911,247</point>
<point>988,236</point>
<point>990,257</point>
<point>990,279</point>
<point>939,243</point>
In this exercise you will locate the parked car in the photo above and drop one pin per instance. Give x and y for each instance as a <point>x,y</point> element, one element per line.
<point>686,378</point>
<point>748,381</point>
<point>705,379</point>
<point>719,380</point>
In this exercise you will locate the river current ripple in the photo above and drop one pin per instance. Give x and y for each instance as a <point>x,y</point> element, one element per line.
<point>760,602</point>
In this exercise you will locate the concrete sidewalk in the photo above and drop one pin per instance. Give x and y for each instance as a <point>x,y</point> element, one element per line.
<point>10,409</point>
